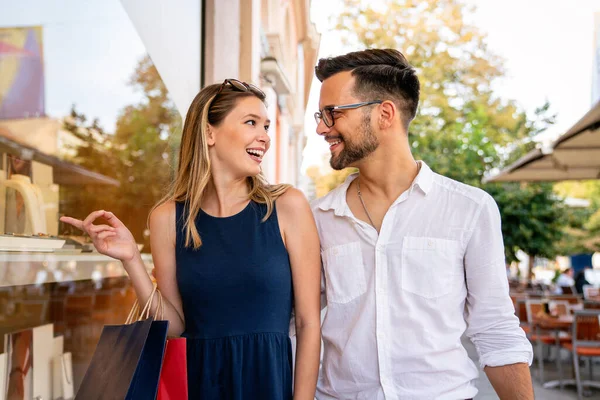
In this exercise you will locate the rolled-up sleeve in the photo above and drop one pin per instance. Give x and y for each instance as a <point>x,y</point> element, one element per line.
<point>491,322</point>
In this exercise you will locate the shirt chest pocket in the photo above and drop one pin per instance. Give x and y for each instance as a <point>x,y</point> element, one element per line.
<point>431,267</point>
<point>344,272</point>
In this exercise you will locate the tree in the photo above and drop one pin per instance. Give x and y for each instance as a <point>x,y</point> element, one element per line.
<point>140,155</point>
<point>589,190</point>
<point>582,233</point>
<point>458,114</point>
<point>327,179</point>
<point>462,130</point>
<point>532,220</point>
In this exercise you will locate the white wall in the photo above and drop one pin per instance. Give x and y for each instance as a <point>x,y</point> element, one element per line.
<point>284,145</point>
<point>268,164</point>
<point>250,21</point>
<point>596,67</point>
<point>170,32</point>
<point>222,56</point>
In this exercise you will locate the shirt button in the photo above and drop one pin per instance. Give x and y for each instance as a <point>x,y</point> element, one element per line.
<point>335,252</point>
<point>430,243</point>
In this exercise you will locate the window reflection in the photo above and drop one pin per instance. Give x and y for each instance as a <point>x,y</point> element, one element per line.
<point>85,119</point>
<point>77,310</point>
<point>86,123</point>
<point>16,221</point>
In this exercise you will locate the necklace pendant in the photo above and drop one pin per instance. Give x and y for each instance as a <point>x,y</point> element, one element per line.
<point>363,203</point>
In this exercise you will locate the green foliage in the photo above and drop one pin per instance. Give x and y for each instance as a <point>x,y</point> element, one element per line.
<point>589,190</point>
<point>582,232</point>
<point>324,183</point>
<point>532,218</point>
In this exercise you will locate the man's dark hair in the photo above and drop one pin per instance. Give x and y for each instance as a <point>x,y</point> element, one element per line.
<point>380,74</point>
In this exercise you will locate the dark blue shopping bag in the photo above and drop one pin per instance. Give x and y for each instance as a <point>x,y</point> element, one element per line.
<point>127,361</point>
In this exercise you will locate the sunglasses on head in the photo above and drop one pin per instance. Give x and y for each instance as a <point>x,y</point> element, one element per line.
<point>240,87</point>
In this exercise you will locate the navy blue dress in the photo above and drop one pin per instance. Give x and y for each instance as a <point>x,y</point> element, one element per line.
<point>237,298</point>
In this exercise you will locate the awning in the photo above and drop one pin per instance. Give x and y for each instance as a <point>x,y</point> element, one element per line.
<point>64,173</point>
<point>573,156</point>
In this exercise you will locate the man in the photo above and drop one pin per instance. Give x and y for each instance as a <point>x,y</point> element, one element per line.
<point>411,259</point>
<point>565,280</point>
<point>580,280</point>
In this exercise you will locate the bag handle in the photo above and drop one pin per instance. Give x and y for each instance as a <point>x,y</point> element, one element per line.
<point>65,370</point>
<point>146,311</point>
<point>135,315</point>
<point>160,309</point>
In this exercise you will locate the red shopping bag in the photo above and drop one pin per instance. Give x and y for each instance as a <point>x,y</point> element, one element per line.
<point>173,377</point>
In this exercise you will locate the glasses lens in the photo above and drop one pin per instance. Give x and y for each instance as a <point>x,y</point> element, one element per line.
<point>244,87</point>
<point>318,117</point>
<point>327,117</point>
<point>238,85</point>
<point>256,89</point>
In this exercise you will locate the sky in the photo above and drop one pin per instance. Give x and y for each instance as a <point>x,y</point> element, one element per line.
<point>547,47</point>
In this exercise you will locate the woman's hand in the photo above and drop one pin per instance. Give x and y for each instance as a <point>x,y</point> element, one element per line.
<point>113,240</point>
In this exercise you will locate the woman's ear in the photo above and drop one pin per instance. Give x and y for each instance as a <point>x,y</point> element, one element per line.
<point>210,136</point>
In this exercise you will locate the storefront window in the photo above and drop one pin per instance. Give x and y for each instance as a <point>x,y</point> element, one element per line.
<point>86,123</point>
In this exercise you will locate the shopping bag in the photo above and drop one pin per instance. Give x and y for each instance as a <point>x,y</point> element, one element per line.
<point>128,358</point>
<point>43,347</point>
<point>173,377</point>
<point>62,377</point>
<point>62,371</point>
<point>3,367</point>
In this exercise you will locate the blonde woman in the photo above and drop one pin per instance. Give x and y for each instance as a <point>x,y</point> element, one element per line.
<point>232,256</point>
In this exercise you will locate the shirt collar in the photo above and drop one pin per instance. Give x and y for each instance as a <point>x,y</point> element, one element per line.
<point>336,201</point>
<point>424,179</point>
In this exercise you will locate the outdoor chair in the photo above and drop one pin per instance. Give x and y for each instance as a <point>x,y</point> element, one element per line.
<point>585,343</point>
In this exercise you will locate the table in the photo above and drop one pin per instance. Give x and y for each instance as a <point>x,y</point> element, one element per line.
<point>556,325</point>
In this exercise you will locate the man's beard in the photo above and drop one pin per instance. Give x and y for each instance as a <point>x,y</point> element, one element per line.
<point>367,143</point>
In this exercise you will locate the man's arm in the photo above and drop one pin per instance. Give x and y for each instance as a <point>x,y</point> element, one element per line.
<point>511,381</point>
<point>504,351</point>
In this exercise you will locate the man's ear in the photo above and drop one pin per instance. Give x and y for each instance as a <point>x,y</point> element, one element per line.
<point>387,113</point>
<point>210,136</point>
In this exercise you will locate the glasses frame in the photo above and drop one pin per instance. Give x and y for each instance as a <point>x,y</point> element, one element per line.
<point>327,112</point>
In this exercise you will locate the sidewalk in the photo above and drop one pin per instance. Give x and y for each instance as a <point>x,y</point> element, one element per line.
<point>486,392</point>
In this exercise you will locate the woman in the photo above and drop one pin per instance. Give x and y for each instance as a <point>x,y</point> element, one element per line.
<point>231,255</point>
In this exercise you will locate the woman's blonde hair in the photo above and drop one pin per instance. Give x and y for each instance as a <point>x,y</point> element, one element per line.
<point>210,107</point>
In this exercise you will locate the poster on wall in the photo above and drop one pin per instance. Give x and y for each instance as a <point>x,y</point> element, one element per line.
<point>21,73</point>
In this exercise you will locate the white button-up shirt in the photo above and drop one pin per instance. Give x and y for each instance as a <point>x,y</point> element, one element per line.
<point>399,301</point>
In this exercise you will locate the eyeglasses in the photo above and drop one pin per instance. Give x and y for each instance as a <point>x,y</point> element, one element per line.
<point>241,87</point>
<point>326,114</point>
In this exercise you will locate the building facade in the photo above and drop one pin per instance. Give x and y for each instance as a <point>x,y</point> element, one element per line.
<point>596,62</point>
